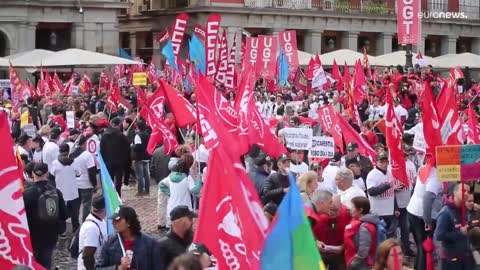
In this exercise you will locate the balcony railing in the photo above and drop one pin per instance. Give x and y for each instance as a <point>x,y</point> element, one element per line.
<point>470,9</point>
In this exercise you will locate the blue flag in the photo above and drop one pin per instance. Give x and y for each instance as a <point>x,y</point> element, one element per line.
<point>124,54</point>
<point>283,68</point>
<point>167,51</point>
<point>112,200</point>
<point>197,54</point>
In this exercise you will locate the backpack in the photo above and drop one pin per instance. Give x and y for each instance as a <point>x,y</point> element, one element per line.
<point>74,246</point>
<point>381,232</point>
<point>48,207</point>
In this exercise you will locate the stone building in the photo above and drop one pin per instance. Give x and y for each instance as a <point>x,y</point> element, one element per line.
<point>321,25</point>
<point>59,24</point>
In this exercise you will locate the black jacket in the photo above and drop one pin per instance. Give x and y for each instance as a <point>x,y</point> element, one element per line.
<point>159,164</point>
<point>115,149</point>
<point>172,246</point>
<point>140,150</point>
<point>43,234</point>
<point>273,188</point>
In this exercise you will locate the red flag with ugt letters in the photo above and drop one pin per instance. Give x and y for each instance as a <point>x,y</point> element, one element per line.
<point>288,42</point>
<point>178,31</point>
<point>328,121</point>
<point>408,23</point>
<point>16,247</point>
<point>251,52</point>
<point>213,27</point>
<point>267,57</point>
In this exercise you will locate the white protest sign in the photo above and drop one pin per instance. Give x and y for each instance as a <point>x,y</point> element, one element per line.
<point>75,90</point>
<point>70,119</point>
<point>30,130</point>
<point>4,84</point>
<point>419,143</point>
<point>322,147</point>
<point>298,138</point>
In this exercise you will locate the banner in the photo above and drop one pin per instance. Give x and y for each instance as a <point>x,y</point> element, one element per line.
<point>322,147</point>
<point>298,138</point>
<point>267,57</point>
<point>328,121</point>
<point>288,42</point>
<point>139,79</point>
<point>458,162</point>
<point>178,30</point>
<point>213,26</point>
<point>408,21</point>
<point>230,74</point>
<point>251,51</point>
<point>200,32</point>
<point>419,143</point>
<point>222,60</point>
<point>70,119</point>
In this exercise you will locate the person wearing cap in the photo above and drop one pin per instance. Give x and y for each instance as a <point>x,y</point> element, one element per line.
<point>352,152</point>
<point>179,238</point>
<point>50,149</point>
<point>24,148</point>
<point>87,177</point>
<point>368,134</point>
<point>277,184</point>
<point>37,148</point>
<point>44,235</point>
<point>203,255</point>
<point>328,175</point>
<point>297,166</point>
<point>263,168</point>
<point>92,235</point>
<point>380,189</point>
<point>115,151</point>
<point>64,171</point>
<point>359,177</point>
<point>73,135</point>
<point>128,247</point>
<point>375,111</point>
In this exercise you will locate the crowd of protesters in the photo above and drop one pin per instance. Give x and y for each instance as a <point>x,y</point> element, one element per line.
<point>361,217</point>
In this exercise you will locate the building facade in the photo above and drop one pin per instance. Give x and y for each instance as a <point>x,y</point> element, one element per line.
<point>321,25</point>
<point>59,24</point>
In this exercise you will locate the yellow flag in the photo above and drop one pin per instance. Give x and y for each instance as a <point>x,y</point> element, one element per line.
<point>24,119</point>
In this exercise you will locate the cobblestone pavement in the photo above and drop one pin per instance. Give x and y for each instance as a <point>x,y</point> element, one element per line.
<point>146,208</point>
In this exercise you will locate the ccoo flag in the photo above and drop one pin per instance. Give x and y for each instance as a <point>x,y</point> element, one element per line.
<point>290,244</point>
<point>112,200</point>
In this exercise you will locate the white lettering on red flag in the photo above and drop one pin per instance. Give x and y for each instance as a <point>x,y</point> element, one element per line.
<point>220,77</point>
<point>178,30</point>
<point>267,57</point>
<point>213,27</point>
<point>251,51</point>
<point>288,42</point>
<point>408,21</point>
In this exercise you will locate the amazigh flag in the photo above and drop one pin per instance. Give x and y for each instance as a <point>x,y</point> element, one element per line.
<point>290,244</point>
<point>112,200</point>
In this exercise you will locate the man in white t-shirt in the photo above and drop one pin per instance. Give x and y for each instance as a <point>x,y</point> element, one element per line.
<point>93,234</point>
<point>329,174</point>
<point>380,189</point>
<point>51,149</point>
<point>297,166</point>
<point>400,112</point>
<point>345,187</point>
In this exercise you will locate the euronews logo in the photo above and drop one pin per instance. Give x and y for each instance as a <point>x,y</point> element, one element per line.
<point>442,15</point>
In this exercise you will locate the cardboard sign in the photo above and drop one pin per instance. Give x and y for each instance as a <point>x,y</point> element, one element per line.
<point>70,119</point>
<point>139,78</point>
<point>419,143</point>
<point>458,162</point>
<point>298,138</point>
<point>30,130</point>
<point>322,147</point>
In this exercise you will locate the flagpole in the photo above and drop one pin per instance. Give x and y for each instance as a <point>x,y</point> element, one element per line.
<point>133,122</point>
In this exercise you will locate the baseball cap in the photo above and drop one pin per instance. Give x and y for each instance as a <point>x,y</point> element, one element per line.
<point>180,212</point>
<point>199,249</point>
<point>336,157</point>
<point>40,169</point>
<point>283,157</point>
<point>351,146</point>
<point>123,212</point>
<point>382,156</point>
<point>379,145</point>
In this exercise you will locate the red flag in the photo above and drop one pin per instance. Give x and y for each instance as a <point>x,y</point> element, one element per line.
<point>17,85</point>
<point>118,72</point>
<point>200,31</point>
<point>374,75</point>
<point>347,87</point>
<point>351,135</point>
<point>394,143</point>
<point>104,81</point>
<point>473,128</point>
<point>231,214</point>
<point>299,81</point>
<point>178,31</point>
<point>408,23</point>
<point>48,84</point>
<point>182,109</point>
<point>57,85</point>
<point>359,83</point>
<point>152,71</point>
<point>251,53</point>
<point>450,122</point>
<point>85,83</point>
<point>159,132</point>
<point>141,97</point>
<point>230,74</point>
<point>221,68</point>
<point>310,69</point>
<point>366,64</point>
<point>328,121</point>
<point>41,83</point>
<point>267,57</point>
<point>113,98</point>
<point>16,244</point>
<point>156,103</point>
<point>288,42</point>
<point>337,76</point>
<point>164,36</point>
<point>68,86</point>
<point>213,26</point>
<point>319,77</point>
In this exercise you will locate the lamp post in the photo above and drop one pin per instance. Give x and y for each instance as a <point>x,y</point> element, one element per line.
<point>408,56</point>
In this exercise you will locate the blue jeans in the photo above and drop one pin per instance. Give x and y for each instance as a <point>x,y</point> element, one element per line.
<point>86,201</point>
<point>44,256</point>
<point>142,171</point>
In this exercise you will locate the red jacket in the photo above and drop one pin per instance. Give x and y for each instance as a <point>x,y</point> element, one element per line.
<point>327,230</point>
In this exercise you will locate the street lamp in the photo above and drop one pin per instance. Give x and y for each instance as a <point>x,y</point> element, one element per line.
<point>408,56</point>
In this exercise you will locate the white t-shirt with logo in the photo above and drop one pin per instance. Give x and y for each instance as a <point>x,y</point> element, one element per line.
<point>347,195</point>
<point>328,175</point>
<point>383,204</point>
<point>91,236</point>
<point>403,195</point>
<point>298,169</point>
<point>65,179</point>
<point>359,183</point>
<point>83,162</point>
